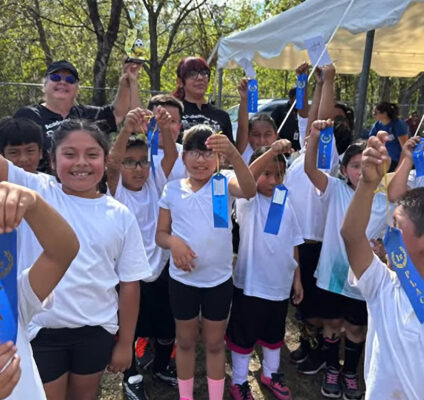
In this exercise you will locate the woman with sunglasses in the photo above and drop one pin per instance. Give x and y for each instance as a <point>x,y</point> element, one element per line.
<point>387,119</point>
<point>60,89</point>
<point>193,75</point>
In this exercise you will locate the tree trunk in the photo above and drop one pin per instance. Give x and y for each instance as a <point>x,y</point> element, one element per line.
<point>407,92</point>
<point>385,88</point>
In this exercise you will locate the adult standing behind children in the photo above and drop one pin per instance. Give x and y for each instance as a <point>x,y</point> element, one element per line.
<point>193,75</point>
<point>60,90</point>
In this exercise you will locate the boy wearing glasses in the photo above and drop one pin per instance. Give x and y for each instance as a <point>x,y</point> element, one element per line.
<point>60,88</point>
<point>133,181</point>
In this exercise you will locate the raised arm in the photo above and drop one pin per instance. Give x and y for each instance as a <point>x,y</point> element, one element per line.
<point>170,152</point>
<point>353,230</point>
<point>244,186</point>
<point>316,99</point>
<point>135,121</point>
<point>127,94</point>
<point>242,138</point>
<point>398,184</point>
<point>56,237</point>
<point>282,146</point>
<point>318,178</point>
<point>326,106</point>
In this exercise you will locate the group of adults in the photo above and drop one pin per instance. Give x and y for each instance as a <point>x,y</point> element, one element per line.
<point>60,90</point>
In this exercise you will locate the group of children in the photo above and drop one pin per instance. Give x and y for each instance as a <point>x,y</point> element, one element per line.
<point>152,263</point>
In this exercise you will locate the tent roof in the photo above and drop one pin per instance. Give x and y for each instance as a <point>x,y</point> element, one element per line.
<point>278,42</point>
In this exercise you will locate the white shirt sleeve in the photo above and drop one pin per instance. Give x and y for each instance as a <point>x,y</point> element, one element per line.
<point>372,280</point>
<point>20,177</point>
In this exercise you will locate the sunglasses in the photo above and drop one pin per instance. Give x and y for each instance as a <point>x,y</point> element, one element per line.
<point>68,78</point>
<point>132,164</point>
<point>195,74</point>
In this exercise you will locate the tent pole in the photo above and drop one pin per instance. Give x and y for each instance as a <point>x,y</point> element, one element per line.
<point>363,83</point>
<point>219,100</point>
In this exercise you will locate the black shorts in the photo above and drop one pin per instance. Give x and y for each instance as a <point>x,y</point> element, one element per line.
<point>81,351</point>
<point>255,320</point>
<point>308,260</point>
<point>155,319</point>
<point>335,306</point>
<point>187,301</point>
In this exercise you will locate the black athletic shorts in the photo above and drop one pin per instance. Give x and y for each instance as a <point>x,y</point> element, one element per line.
<point>82,351</point>
<point>188,301</point>
<point>255,320</point>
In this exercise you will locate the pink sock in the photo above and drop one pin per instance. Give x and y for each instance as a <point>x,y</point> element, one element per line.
<point>216,388</point>
<point>185,387</point>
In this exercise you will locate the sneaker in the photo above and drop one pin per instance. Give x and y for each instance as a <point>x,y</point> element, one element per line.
<point>134,390</point>
<point>311,365</point>
<point>301,353</point>
<point>143,353</point>
<point>350,386</point>
<point>241,392</point>
<point>331,384</point>
<point>277,386</point>
<point>169,376</point>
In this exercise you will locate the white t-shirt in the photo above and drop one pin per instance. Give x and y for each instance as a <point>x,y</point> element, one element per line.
<point>413,181</point>
<point>247,153</point>
<point>394,350</point>
<point>111,250</point>
<point>29,385</point>
<point>333,265</point>
<point>178,170</point>
<point>302,124</point>
<point>144,204</point>
<point>265,264</point>
<point>310,210</point>
<point>192,221</point>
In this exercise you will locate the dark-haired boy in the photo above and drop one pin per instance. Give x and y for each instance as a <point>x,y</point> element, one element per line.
<point>395,338</point>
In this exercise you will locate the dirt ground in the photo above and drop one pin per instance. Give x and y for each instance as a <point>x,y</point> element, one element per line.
<point>302,387</point>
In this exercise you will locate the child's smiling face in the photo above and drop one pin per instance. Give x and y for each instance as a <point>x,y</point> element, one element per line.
<point>272,175</point>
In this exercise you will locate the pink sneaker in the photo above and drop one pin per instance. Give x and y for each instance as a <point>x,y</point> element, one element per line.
<point>277,386</point>
<point>241,392</point>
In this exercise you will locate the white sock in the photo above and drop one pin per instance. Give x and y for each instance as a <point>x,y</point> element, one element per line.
<point>135,379</point>
<point>240,367</point>
<point>271,361</point>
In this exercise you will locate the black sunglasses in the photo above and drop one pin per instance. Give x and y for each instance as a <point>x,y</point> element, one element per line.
<point>68,78</point>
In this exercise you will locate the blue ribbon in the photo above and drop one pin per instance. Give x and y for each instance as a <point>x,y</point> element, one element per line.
<point>219,200</point>
<point>152,142</point>
<point>276,210</point>
<point>252,95</point>
<point>300,90</point>
<point>324,148</point>
<point>418,158</point>
<point>8,288</point>
<point>409,278</point>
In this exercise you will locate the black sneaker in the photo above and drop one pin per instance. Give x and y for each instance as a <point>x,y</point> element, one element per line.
<point>331,387</point>
<point>311,365</point>
<point>350,386</point>
<point>301,353</point>
<point>134,391</point>
<point>169,376</point>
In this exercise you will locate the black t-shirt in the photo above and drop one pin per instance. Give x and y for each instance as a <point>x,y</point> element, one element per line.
<point>290,129</point>
<point>49,121</point>
<point>217,119</point>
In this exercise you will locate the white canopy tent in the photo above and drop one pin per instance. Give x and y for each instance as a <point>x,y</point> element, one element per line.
<point>279,42</point>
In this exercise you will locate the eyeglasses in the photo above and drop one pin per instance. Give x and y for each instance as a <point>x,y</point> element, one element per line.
<point>68,78</point>
<point>132,164</point>
<point>206,154</point>
<point>195,74</point>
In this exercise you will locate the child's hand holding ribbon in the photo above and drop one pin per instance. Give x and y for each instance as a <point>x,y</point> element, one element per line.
<point>282,146</point>
<point>10,370</point>
<point>136,120</point>
<point>163,119</point>
<point>375,159</point>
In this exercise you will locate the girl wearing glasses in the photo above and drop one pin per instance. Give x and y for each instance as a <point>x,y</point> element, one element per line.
<point>201,255</point>
<point>193,75</point>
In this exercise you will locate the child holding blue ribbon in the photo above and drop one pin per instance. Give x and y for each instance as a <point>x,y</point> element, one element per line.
<point>74,341</point>
<point>395,338</point>
<point>341,305</point>
<point>131,182</point>
<point>34,285</point>
<point>405,178</point>
<point>201,254</point>
<point>266,270</point>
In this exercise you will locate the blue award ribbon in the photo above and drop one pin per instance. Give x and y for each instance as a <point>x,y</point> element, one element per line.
<point>8,288</point>
<point>300,90</point>
<point>409,278</point>
<point>219,200</point>
<point>418,158</point>
<point>276,209</point>
<point>152,142</point>
<point>252,95</point>
<point>324,148</point>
